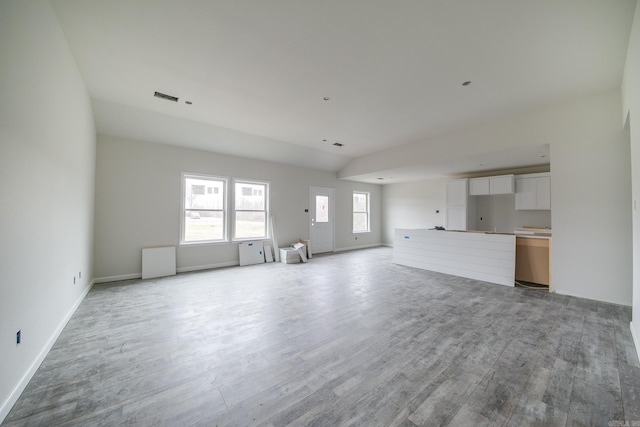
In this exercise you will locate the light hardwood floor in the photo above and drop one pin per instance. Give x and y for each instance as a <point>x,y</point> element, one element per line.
<point>346,339</point>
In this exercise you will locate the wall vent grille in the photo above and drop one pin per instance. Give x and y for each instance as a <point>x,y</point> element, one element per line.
<point>165,96</point>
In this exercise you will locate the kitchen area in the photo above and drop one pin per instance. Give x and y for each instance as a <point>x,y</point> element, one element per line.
<point>497,229</point>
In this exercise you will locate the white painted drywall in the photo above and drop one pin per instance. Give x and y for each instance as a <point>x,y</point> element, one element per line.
<point>138,204</point>
<point>631,114</point>
<point>591,200</point>
<point>590,189</point>
<point>498,213</point>
<point>419,204</point>
<point>47,163</point>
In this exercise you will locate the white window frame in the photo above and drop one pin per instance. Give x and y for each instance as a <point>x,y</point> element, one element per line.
<point>224,210</point>
<point>367,211</point>
<point>232,211</point>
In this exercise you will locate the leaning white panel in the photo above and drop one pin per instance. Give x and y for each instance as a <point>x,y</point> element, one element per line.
<point>158,262</point>
<point>251,253</point>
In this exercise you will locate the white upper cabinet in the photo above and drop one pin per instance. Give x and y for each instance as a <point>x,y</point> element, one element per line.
<point>502,184</point>
<point>456,192</point>
<point>533,192</point>
<point>458,212</point>
<point>478,186</point>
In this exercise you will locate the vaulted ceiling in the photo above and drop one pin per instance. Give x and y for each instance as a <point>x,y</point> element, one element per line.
<point>285,80</point>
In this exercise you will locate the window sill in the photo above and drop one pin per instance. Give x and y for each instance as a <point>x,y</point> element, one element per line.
<point>206,242</point>
<point>251,239</point>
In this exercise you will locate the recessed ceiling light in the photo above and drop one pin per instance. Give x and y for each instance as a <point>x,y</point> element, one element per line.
<point>326,98</point>
<point>467,83</point>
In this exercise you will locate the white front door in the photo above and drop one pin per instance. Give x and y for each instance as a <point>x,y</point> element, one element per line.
<point>321,219</point>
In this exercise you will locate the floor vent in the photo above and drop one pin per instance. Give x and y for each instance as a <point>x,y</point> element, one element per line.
<point>165,96</point>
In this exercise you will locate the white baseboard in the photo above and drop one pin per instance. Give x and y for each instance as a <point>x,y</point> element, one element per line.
<point>22,384</point>
<point>571,294</point>
<point>351,248</point>
<point>131,276</point>
<point>636,342</point>
<point>118,278</point>
<point>207,266</point>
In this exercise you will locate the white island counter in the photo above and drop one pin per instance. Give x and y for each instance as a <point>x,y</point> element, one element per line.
<point>489,257</point>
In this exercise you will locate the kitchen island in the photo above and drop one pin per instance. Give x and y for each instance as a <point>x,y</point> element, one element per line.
<point>485,256</point>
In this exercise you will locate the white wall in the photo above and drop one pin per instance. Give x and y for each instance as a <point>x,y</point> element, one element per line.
<point>591,200</point>
<point>47,163</point>
<point>138,204</point>
<point>590,190</point>
<point>631,113</point>
<point>412,205</point>
<point>498,213</point>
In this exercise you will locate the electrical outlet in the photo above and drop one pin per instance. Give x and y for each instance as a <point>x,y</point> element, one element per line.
<point>19,336</point>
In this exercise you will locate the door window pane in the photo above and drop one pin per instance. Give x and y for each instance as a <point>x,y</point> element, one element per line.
<point>322,209</point>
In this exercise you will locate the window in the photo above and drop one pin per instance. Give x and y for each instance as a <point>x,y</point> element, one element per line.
<point>360,212</point>
<point>204,209</point>
<point>251,209</point>
<point>204,216</point>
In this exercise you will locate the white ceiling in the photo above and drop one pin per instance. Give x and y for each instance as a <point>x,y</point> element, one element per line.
<point>257,71</point>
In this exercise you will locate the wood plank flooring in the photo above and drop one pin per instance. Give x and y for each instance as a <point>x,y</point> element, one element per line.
<point>346,339</point>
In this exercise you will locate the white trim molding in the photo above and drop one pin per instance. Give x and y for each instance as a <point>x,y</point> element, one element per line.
<point>353,248</point>
<point>208,266</point>
<point>132,276</point>
<point>636,342</point>
<point>24,381</point>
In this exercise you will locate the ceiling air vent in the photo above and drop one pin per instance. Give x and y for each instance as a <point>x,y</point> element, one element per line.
<point>165,96</point>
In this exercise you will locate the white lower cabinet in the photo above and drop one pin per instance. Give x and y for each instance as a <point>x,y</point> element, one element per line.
<point>456,217</point>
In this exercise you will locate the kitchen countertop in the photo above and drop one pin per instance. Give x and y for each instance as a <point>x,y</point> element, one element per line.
<point>530,236</point>
<point>524,236</point>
